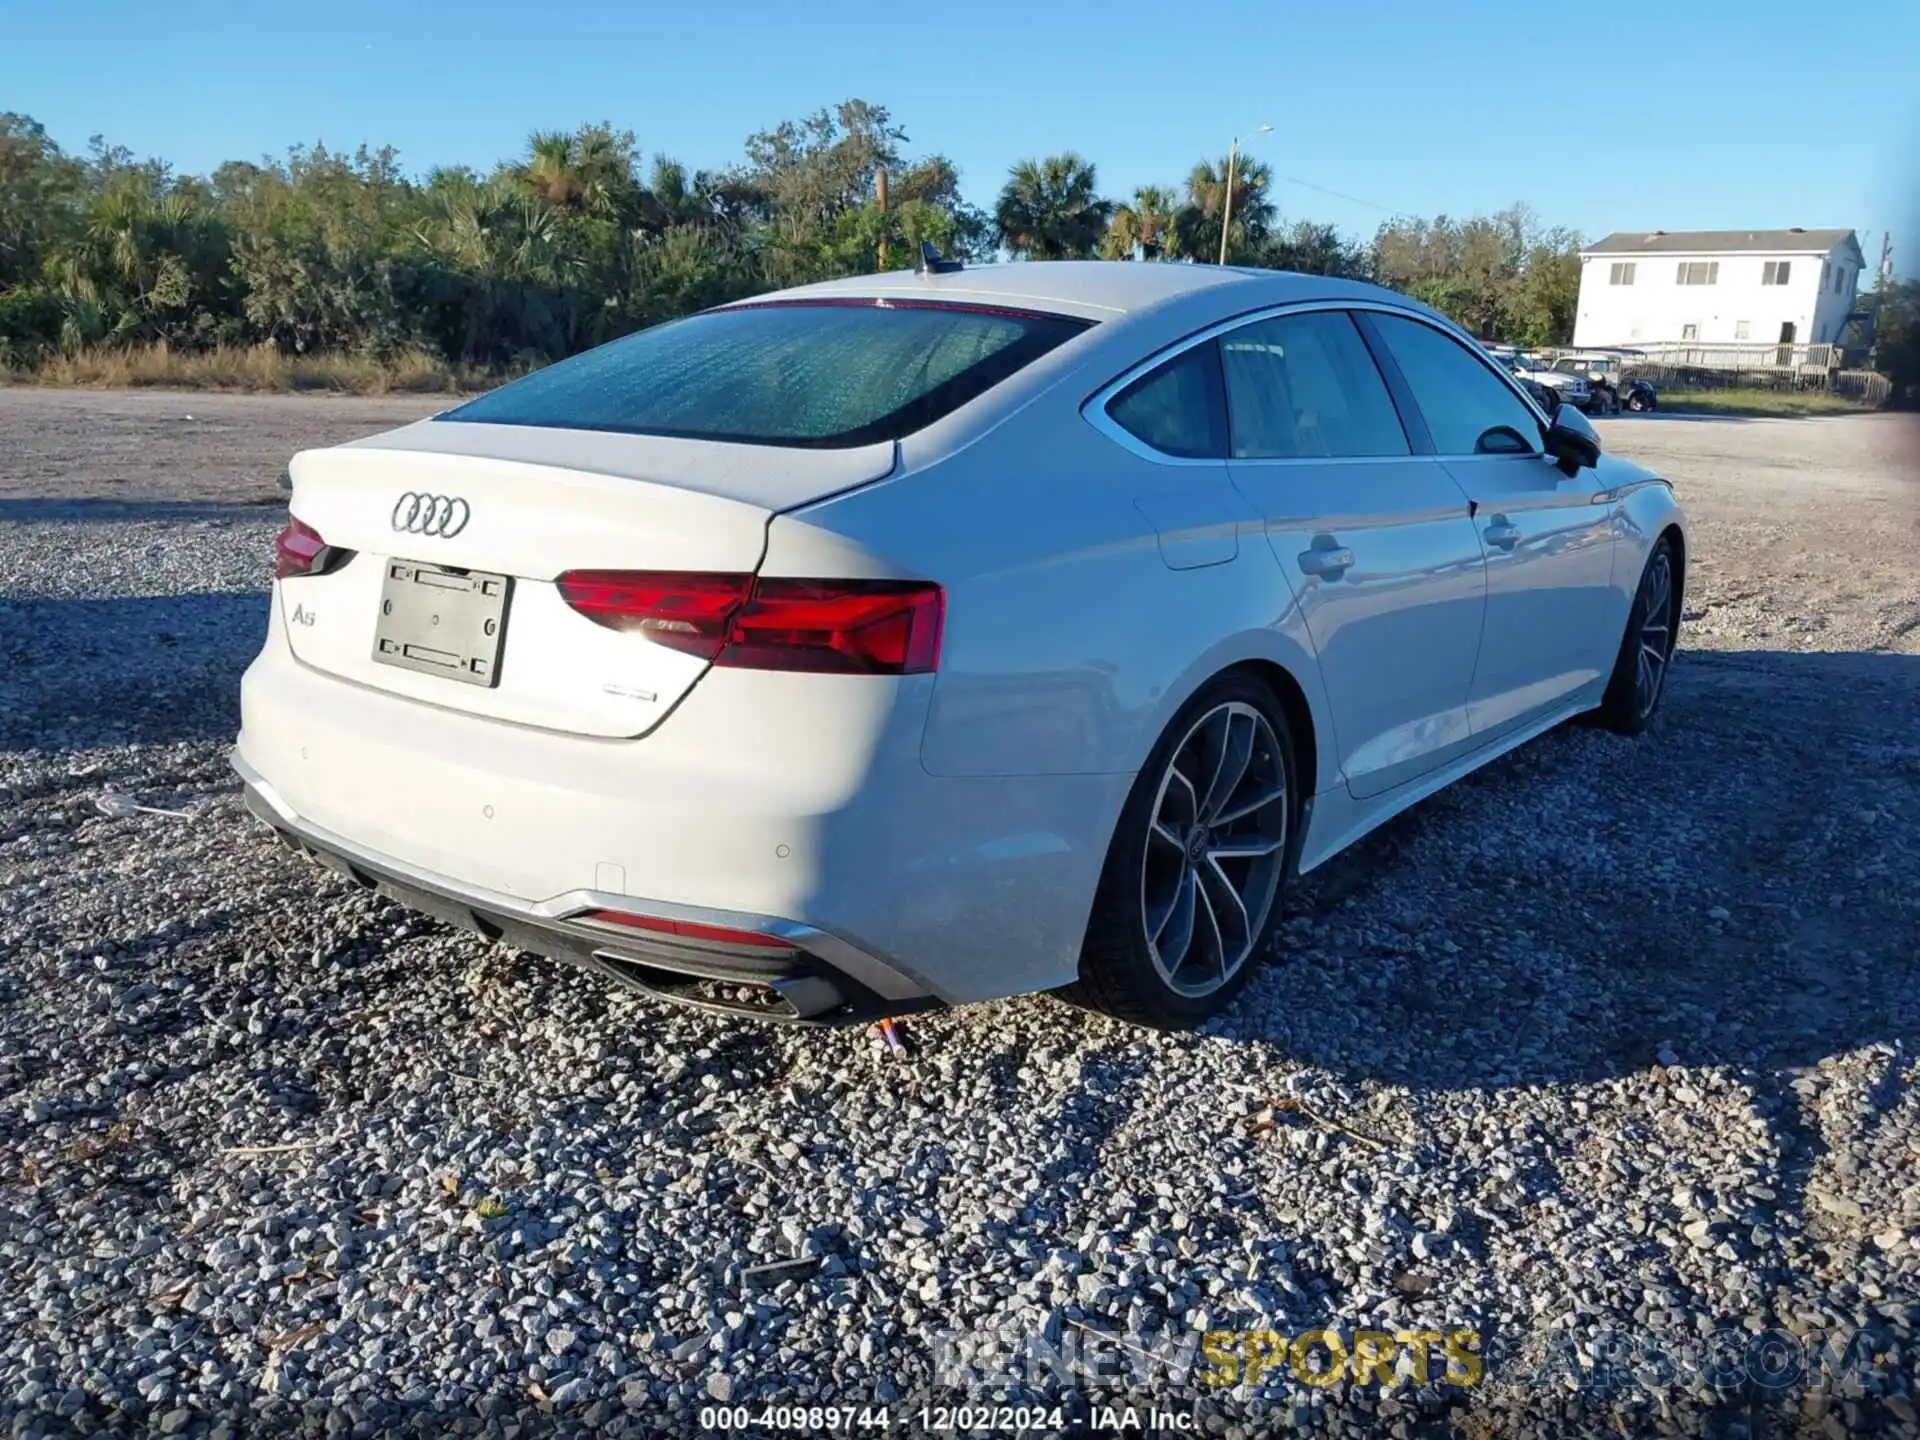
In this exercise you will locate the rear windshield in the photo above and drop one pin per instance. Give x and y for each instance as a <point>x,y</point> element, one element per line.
<point>809,373</point>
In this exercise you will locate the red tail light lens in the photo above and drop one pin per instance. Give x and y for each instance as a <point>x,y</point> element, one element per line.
<point>879,627</point>
<point>298,550</point>
<point>856,627</point>
<point>688,930</point>
<point>683,612</point>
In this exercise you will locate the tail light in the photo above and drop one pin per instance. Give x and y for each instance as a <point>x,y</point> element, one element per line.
<point>299,550</point>
<point>688,930</point>
<point>860,627</point>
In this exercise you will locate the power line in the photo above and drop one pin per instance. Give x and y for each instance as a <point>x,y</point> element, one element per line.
<point>1337,194</point>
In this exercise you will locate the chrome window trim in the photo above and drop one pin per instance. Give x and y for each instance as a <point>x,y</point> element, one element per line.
<point>1094,408</point>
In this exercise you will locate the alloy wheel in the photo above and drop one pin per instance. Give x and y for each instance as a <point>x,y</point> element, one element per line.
<point>1655,636</point>
<point>1216,848</point>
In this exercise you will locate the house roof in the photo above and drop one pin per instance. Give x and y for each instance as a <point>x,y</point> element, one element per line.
<point>1720,242</point>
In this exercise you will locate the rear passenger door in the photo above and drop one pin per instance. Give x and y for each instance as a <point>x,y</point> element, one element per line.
<point>1552,618</point>
<point>1374,537</point>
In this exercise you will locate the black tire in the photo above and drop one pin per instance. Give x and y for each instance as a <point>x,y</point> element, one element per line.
<point>1121,967</point>
<point>1638,403</point>
<point>1628,708</point>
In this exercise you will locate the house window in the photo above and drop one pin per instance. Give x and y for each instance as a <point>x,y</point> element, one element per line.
<point>1690,332</point>
<point>1840,280</point>
<point>1775,272</point>
<point>1698,272</point>
<point>1741,330</point>
<point>1621,273</point>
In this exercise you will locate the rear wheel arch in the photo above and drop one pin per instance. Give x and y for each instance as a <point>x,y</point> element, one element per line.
<point>1293,704</point>
<point>1677,539</point>
<point>1124,970</point>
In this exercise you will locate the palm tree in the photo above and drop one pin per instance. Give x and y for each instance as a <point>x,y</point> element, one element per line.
<point>1051,209</point>
<point>143,266</point>
<point>1145,225</point>
<point>1198,223</point>
<point>589,173</point>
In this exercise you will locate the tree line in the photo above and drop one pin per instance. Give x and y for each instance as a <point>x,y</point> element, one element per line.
<point>580,240</point>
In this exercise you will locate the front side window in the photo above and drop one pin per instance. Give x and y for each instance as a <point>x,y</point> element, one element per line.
<point>1177,408</point>
<point>810,374</point>
<point>1305,387</point>
<point>1742,330</point>
<point>1699,272</point>
<point>1690,331</point>
<point>1776,272</point>
<point>1467,408</point>
<point>1621,273</point>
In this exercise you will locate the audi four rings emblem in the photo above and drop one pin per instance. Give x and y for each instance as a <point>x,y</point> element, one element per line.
<point>442,515</point>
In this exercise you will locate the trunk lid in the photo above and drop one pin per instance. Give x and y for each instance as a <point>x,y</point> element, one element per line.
<point>534,504</point>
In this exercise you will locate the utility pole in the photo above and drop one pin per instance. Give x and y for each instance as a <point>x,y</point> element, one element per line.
<point>1884,276</point>
<point>1226,208</point>
<point>880,194</point>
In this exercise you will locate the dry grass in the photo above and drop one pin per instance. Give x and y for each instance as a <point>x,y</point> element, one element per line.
<point>1790,404</point>
<point>261,368</point>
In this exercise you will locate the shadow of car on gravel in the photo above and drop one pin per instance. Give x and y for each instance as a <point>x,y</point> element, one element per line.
<point>150,670</point>
<point>97,509</point>
<point>1740,887</point>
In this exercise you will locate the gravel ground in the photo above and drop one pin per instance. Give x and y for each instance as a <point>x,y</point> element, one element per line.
<point>1607,1054</point>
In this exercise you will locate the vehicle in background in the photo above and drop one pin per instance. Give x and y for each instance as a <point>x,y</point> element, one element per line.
<point>1606,372</point>
<point>1603,393</point>
<point>1511,360</point>
<point>1570,386</point>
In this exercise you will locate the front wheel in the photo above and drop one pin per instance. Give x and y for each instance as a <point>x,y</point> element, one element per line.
<point>1646,651</point>
<point>1639,403</point>
<point>1192,882</point>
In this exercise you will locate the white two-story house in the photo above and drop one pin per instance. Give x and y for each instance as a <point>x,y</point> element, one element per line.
<point>1721,287</point>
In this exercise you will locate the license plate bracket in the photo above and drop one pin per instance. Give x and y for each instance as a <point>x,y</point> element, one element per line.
<point>442,621</point>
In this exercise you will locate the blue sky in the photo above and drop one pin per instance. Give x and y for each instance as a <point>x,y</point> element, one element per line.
<point>1613,114</point>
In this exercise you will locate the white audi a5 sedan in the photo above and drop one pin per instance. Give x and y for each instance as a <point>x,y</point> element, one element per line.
<point>918,639</point>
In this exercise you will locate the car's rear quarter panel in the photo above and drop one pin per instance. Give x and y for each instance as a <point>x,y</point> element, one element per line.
<point>1070,641</point>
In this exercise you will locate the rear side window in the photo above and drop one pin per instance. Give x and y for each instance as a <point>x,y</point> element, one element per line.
<point>1178,408</point>
<point>810,373</point>
<point>1305,387</point>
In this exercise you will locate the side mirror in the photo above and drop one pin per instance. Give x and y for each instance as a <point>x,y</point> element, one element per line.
<point>1572,440</point>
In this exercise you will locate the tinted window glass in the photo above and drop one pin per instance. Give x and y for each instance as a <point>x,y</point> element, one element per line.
<point>1306,386</point>
<point>1461,400</point>
<point>782,374</point>
<point>1178,408</point>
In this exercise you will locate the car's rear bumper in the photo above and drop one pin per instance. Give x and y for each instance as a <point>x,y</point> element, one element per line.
<point>819,978</point>
<point>764,800</point>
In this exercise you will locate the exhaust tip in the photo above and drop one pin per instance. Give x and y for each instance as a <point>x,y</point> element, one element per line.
<point>800,997</point>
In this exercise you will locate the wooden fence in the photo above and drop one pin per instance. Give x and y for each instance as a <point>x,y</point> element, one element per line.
<point>1689,365</point>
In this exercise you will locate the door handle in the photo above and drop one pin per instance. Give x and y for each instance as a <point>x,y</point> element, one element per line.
<point>1503,532</point>
<point>1329,561</point>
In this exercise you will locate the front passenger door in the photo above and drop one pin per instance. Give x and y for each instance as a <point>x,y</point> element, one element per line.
<point>1374,538</point>
<point>1553,621</point>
